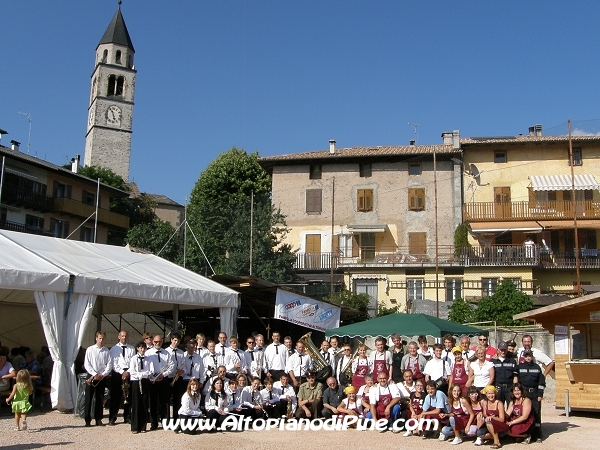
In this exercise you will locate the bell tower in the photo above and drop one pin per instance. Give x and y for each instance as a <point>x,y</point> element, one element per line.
<point>110,112</point>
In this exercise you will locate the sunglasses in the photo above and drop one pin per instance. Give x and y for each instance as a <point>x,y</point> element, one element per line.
<point>250,342</point>
<point>483,339</point>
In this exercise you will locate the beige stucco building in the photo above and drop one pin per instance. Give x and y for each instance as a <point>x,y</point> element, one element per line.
<point>370,214</point>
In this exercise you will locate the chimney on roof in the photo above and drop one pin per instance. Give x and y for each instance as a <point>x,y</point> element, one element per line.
<point>447,138</point>
<point>331,146</point>
<point>411,142</point>
<point>538,129</point>
<point>531,131</point>
<point>75,164</point>
<point>456,139</point>
<point>15,145</point>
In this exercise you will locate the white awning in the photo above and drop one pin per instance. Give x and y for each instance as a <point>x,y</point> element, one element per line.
<point>367,228</point>
<point>563,182</point>
<point>19,172</point>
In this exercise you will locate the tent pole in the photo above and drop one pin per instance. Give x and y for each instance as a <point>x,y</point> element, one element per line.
<point>175,318</point>
<point>99,315</point>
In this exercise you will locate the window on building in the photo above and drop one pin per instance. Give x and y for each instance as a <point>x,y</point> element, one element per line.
<point>118,57</point>
<point>115,86</point>
<point>488,286</point>
<point>414,289</point>
<point>365,200</point>
<point>314,203</point>
<point>61,190</point>
<point>89,198</point>
<point>499,156</point>
<point>34,223</point>
<point>367,246</point>
<point>365,170</point>
<point>59,228</point>
<point>577,157</point>
<point>414,169</point>
<point>315,172</point>
<point>104,55</point>
<point>345,245</point>
<point>416,199</point>
<point>368,287</point>
<point>86,234</point>
<point>417,243</point>
<point>453,289</point>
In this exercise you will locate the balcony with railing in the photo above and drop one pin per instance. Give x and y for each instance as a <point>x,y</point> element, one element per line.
<point>22,228</point>
<point>550,210</point>
<point>83,210</point>
<point>14,196</point>
<point>448,256</point>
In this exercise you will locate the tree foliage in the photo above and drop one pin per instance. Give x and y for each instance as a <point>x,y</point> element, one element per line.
<point>153,237</point>
<point>461,236</point>
<point>383,310</point>
<point>219,214</point>
<point>500,307</point>
<point>461,311</point>
<point>359,302</point>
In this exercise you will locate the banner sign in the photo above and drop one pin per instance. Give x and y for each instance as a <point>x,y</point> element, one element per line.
<point>306,312</point>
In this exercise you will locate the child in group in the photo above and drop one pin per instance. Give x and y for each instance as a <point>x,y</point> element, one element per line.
<point>20,398</point>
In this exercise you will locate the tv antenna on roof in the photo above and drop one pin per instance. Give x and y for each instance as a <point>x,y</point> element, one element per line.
<point>414,125</point>
<point>29,119</point>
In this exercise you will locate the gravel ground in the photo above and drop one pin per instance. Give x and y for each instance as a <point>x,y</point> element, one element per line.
<point>64,430</point>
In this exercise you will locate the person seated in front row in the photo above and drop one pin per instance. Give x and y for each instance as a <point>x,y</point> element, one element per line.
<point>416,403</point>
<point>309,398</point>
<point>217,403</point>
<point>234,397</point>
<point>270,399</point>
<point>384,399</point>
<point>287,396</point>
<point>190,404</point>
<point>332,398</point>
<point>350,406</point>
<point>252,400</point>
<point>435,403</point>
<point>520,415</point>
<point>461,416</point>
<point>495,418</point>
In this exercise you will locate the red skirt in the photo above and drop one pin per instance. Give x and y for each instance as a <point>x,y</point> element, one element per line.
<point>521,428</point>
<point>499,427</point>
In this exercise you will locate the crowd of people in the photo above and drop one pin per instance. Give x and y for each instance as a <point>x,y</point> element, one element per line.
<point>478,392</point>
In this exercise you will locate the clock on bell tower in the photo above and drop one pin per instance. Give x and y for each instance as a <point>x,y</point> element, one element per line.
<point>110,112</point>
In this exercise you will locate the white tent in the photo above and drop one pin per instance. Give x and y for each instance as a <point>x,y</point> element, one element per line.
<point>65,278</point>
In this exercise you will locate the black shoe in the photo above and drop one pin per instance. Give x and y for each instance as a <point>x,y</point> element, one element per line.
<point>112,423</point>
<point>88,424</point>
<point>127,421</point>
<point>154,427</point>
<point>99,423</point>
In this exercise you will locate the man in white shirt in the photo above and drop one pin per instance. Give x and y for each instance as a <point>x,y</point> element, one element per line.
<point>222,345</point>
<point>465,343</point>
<point>437,369</point>
<point>289,345</point>
<point>384,399</point>
<point>121,355</point>
<point>298,365</point>
<point>212,360</point>
<point>178,359</point>
<point>98,365</point>
<point>447,354</point>
<point>539,357</point>
<point>381,359</point>
<point>328,358</point>
<point>342,363</point>
<point>160,389</point>
<point>275,357</point>
<point>193,367</point>
<point>287,396</point>
<point>235,360</point>
<point>200,348</point>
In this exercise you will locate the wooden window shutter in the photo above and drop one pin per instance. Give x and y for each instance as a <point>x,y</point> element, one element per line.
<point>314,200</point>
<point>355,246</point>
<point>417,243</point>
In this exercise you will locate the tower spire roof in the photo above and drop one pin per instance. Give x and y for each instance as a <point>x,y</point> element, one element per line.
<point>117,33</point>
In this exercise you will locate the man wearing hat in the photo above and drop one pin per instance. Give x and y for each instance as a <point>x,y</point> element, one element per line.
<point>309,398</point>
<point>539,357</point>
<point>505,371</point>
<point>531,377</point>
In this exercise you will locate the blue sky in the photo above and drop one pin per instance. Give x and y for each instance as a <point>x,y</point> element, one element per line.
<point>286,76</point>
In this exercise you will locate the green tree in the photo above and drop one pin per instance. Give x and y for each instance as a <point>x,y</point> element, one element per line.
<point>219,214</point>
<point>383,310</point>
<point>503,305</point>
<point>461,311</point>
<point>153,237</point>
<point>461,236</point>
<point>358,302</point>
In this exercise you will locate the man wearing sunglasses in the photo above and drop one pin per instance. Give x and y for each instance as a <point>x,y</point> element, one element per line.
<point>490,352</point>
